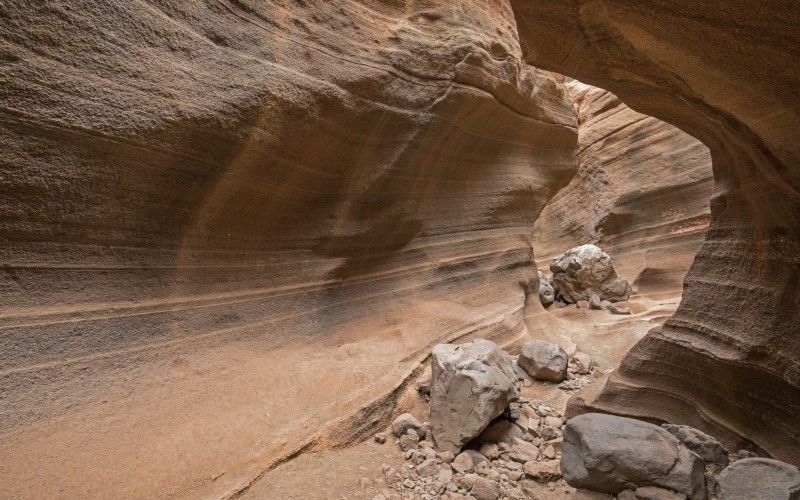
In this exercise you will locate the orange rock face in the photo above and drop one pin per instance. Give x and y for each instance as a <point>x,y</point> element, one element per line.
<point>641,193</point>
<point>228,227</point>
<point>727,361</point>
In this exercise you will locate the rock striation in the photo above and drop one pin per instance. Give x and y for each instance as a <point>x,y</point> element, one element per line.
<point>208,206</point>
<point>728,361</point>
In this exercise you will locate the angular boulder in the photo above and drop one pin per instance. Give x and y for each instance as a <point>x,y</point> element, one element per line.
<point>547,293</point>
<point>544,361</point>
<point>709,449</point>
<point>760,478</point>
<point>584,271</point>
<point>611,454</point>
<point>471,385</point>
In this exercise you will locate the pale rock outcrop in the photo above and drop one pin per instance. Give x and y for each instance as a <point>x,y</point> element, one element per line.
<point>544,361</point>
<point>472,384</point>
<point>728,361</point>
<point>586,271</point>
<point>546,292</point>
<point>709,449</point>
<point>760,478</point>
<point>610,454</point>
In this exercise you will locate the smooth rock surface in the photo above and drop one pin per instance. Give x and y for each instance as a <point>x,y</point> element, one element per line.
<point>732,341</point>
<point>760,478</point>
<point>472,384</point>
<point>611,454</point>
<point>543,361</point>
<point>586,271</point>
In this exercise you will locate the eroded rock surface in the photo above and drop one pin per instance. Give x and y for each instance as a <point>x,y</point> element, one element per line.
<point>760,478</point>
<point>733,339</point>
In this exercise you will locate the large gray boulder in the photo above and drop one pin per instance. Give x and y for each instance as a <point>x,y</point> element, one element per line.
<point>759,478</point>
<point>544,361</point>
<point>546,292</point>
<point>709,449</point>
<point>611,454</point>
<point>584,271</point>
<point>471,384</point>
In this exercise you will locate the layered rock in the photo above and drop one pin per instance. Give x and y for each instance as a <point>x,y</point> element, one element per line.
<point>208,206</point>
<point>728,361</point>
<point>641,194</point>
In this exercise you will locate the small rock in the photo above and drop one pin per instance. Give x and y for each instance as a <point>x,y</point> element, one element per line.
<point>463,463</point>
<point>745,454</point>
<point>543,361</point>
<point>554,422</point>
<point>582,363</point>
<point>365,482</point>
<point>379,497</point>
<point>759,478</point>
<point>614,309</point>
<point>709,449</point>
<point>391,476</point>
<point>405,422</point>
<point>582,304</point>
<point>542,471</point>
<point>501,431</point>
<point>483,488</point>
<point>446,456</point>
<point>428,468</point>
<point>549,452</point>
<point>522,452</point>
<point>408,483</point>
<point>380,437</point>
<point>594,302</point>
<point>490,450</point>
<point>445,475</point>
<point>409,440</point>
<point>650,493</point>
<point>546,292</point>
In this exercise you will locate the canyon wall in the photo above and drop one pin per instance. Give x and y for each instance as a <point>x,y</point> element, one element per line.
<point>641,193</point>
<point>232,228</point>
<point>725,73</point>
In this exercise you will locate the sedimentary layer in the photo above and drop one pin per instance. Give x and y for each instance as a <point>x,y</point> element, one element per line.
<point>212,210</point>
<point>641,193</point>
<point>723,72</point>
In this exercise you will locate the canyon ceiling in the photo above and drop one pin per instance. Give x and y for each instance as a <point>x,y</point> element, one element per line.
<point>230,230</point>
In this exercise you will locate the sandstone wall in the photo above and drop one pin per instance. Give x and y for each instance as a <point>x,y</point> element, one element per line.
<point>723,72</point>
<point>641,193</point>
<point>226,224</point>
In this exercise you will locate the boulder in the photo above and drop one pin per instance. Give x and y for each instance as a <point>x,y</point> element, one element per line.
<point>501,431</point>
<point>584,271</point>
<point>547,293</point>
<point>760,478</point>
<point>544,361</point>
<point>581,363</point>
<point>472,384</point>
<point>709,449</point>
<point>611,454</point>
<point>405,422</point>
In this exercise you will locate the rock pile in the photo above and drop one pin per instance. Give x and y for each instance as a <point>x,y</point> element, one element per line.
<point>586,276</point>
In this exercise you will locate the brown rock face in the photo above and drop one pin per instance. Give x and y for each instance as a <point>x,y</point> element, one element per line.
<point>727,362</point>
<point>227,224</point>
<point>641,194</point>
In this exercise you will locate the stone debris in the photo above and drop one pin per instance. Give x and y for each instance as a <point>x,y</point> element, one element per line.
<point>380,437</point>
<point>544,361</point>
<point>584,271</point>
<point>472,384</point>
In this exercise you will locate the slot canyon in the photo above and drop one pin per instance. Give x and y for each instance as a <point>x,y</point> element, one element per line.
<point>262,248</point>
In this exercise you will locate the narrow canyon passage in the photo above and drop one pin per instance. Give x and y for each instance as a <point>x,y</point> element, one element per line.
<point>232,231</point>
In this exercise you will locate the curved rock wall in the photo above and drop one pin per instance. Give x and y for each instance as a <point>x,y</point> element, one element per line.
<point>641,193</point>
<point>227,223</point>
<point>725,73</point>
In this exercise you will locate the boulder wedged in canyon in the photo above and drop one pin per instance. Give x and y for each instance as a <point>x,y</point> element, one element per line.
<point>728,361</point>
<point>218,217</point>
<point>641,193</point>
